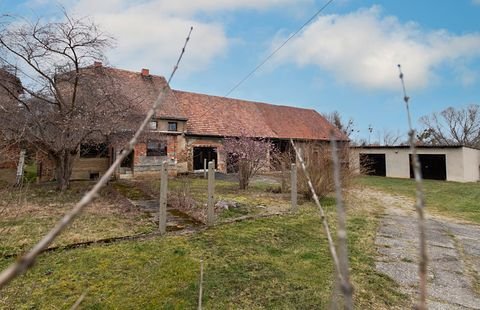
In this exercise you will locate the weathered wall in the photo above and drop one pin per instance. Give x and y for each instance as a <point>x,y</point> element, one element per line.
<point>193,141</point>
<point>471,158</point>
<point>182,154</point>
<point>84,168</point>
<point>398,164</point>
<point>8,164</point>
<point>9,157</point>
<point>144,163</point>
<point>163,125</point>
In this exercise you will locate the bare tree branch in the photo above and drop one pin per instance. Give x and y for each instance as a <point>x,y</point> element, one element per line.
<point>419,205</point>
<point>248,155</point>
<point>64,102</point>
<point>453,126</point>
<point>79,301</point>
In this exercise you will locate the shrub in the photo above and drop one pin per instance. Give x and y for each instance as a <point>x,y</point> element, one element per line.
<point>319,164</point>
<point>181,198</point>
<point>248,156</point>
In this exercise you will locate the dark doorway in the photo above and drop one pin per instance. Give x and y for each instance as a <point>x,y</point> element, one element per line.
<point>373,164</point>
<point>127,162</point>
<point>282,153</point>
<point>434,167</point>
<point>202,153</point>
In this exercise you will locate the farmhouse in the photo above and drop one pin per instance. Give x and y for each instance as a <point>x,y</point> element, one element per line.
<point>189,128</point>
<point>451,162</point>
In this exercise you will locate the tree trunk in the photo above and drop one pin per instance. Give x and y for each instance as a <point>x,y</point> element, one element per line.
<point>243,183</point>
<point>243,175</point>
<point>63,169</point>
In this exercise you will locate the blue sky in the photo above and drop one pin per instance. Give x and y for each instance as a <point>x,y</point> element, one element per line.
<point>345,60</point>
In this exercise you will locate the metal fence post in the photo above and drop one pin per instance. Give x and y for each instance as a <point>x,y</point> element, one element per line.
<point>162,212</point>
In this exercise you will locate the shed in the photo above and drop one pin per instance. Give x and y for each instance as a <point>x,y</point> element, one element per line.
<point>448,162</point>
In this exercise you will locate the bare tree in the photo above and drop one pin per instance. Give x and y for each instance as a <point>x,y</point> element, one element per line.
<point>63,102</point>
<point>22,264</point>
<point>336,119</point>
<point>248,155</point>
<point>452,126</point>
<point>391,138</point>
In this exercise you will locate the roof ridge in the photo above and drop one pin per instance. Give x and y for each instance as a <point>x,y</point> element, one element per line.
<point>125,70</point>
<point>244,100</point>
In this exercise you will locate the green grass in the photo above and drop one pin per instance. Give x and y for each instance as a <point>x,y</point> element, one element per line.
<point>256,195</point>
<point>129,191</point>
<point>269,263</point>
<point>279,262</point>
<point>30,173</point>
<point>457,200</point>
<point>27,214</point>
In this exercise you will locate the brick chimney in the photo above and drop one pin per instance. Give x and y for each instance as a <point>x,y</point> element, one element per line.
<point>145,72</point>
<point>97,64</point>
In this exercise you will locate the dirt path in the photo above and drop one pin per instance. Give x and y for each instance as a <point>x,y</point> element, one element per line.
<point>453,250</point>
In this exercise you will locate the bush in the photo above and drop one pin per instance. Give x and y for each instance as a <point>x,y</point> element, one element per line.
<point>181,198</point>
<point>319,163</point>
<point>283,162</point>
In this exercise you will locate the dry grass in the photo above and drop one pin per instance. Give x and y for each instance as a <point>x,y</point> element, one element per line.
<point>28,213</point>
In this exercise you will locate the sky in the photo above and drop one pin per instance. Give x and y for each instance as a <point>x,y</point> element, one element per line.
<point>344,60</point>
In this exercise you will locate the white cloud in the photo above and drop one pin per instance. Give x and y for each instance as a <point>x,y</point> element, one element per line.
<point>476,2</point>
<point>363,48</point>
<point>150,33</point>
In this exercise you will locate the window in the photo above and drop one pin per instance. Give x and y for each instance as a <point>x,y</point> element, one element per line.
<point>172,126</point>
<point>153,125</point>
<point>156,148</point>
<point>93,150</point>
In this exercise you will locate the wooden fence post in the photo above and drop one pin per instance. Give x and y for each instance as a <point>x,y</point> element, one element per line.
<point>162,212</point>
<point>200,294</point>
<point>204,168</point>
<point>211,193</point>
<point>293,187</point>
<point>20,168</point>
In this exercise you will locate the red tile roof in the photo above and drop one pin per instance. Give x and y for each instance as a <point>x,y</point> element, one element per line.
<point>220,116</point>
<point>143,91</point>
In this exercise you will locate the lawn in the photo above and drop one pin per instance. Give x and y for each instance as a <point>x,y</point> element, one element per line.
<point>253,201</point>
<point>453,199</point>
<point>276,262</point>
<point>28,213</point>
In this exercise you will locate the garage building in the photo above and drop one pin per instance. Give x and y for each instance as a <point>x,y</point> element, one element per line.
<point>451,163</point>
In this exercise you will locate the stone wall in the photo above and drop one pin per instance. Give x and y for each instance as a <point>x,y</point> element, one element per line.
<point>193,141</point>
<point>83,168</point>
<point>9,157</point>
<point>144,163</point>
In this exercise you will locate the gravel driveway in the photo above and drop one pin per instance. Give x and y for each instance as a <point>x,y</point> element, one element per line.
<point>453,250</point>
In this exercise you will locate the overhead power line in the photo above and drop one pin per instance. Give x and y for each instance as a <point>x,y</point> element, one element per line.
<point>279,48</point>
